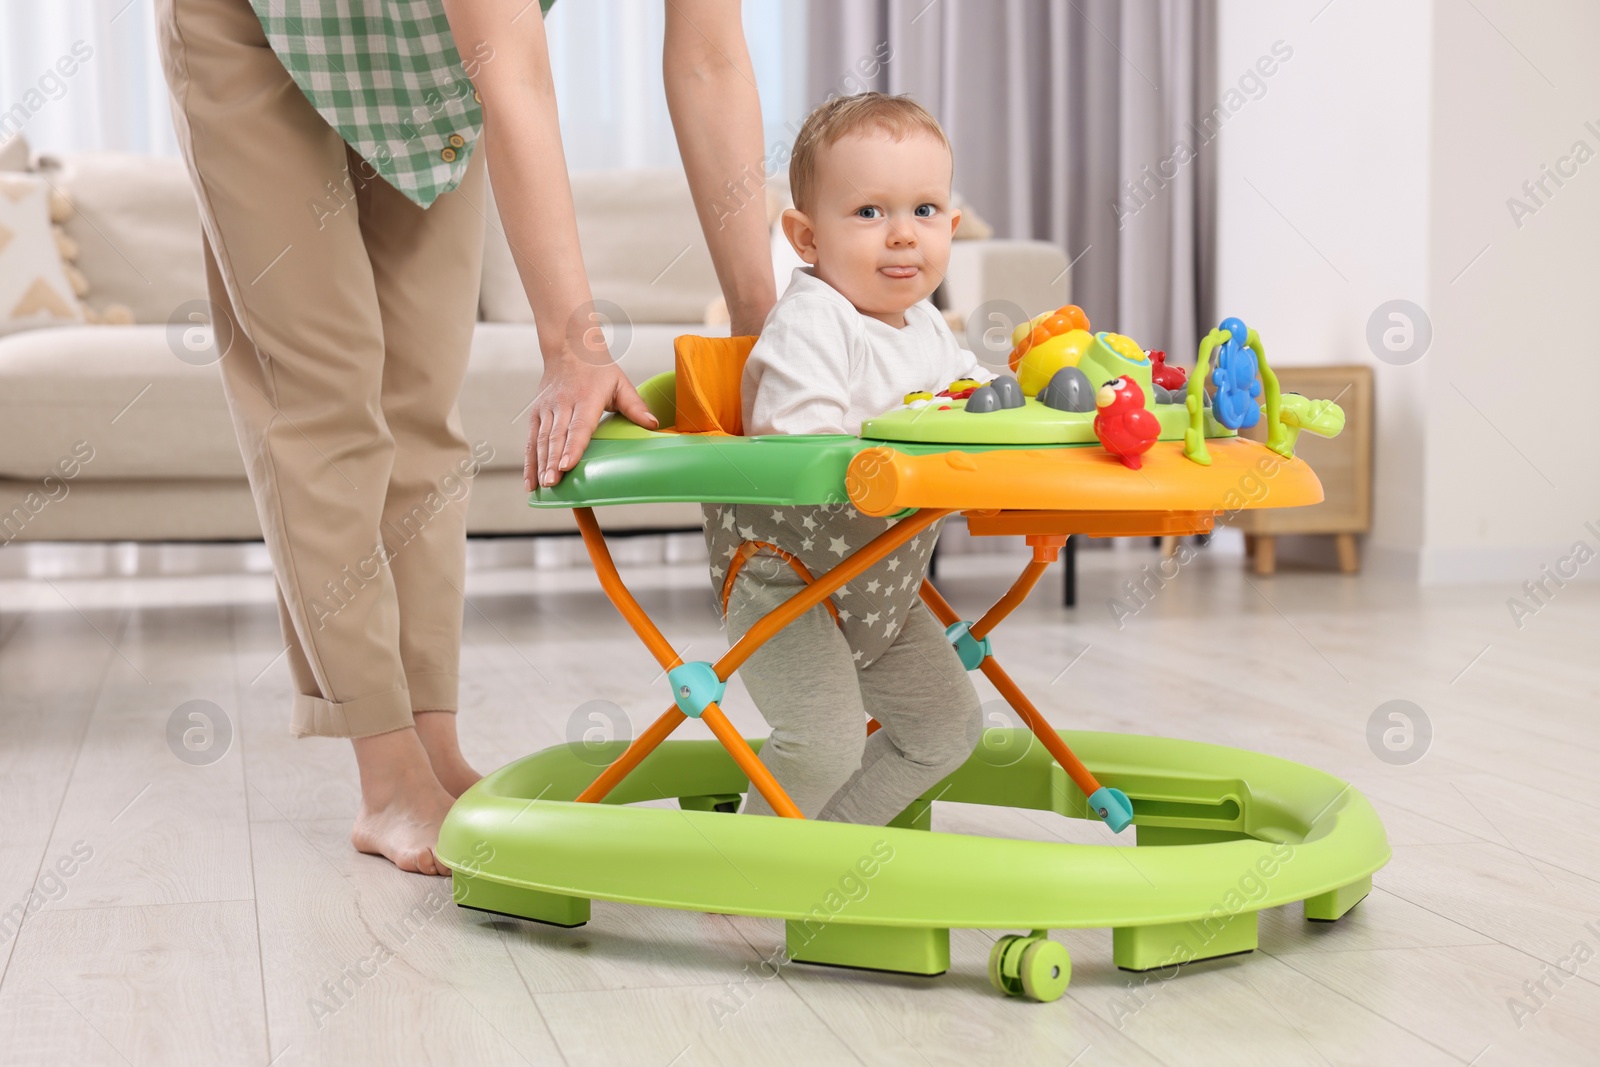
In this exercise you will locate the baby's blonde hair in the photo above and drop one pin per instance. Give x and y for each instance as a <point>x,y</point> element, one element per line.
<point>842,115</point>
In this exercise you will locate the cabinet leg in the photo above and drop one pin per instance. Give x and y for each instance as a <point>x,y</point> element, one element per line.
<point>1349,562</point>
<point>1249,546</point>
<point>1266,557</point>
<point>1169,546</point>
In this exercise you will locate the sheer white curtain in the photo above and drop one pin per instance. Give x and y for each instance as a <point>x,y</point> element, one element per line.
<point>606,56</point>
<point>83,75</point>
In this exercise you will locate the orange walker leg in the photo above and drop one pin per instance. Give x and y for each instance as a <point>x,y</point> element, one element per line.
<point>1110,804</point>
<point>699,685</point>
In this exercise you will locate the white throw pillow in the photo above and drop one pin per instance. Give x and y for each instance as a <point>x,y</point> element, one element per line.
<point>14,153</point>
<point>34,290</point>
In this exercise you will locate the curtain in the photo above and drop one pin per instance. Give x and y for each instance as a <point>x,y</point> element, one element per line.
<point>83,75</point>
<point>605,57</point>
<point>1069,120</point>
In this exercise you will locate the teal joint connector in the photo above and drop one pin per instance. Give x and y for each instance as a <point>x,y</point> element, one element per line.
<point>695,685</point>
<point>971,650</point>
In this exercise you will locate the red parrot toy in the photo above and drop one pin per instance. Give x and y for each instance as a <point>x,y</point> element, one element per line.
<point>1172,378</point>
<point>1123,424</point>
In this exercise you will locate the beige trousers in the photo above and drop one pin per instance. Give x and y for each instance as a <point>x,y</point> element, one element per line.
<point>351,312</point>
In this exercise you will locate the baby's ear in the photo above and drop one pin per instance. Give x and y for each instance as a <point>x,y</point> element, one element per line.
<point>955,220</point>
<point>802,237</point>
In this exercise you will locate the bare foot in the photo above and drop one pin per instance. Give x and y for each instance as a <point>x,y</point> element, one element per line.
<point>402,803</point>
<point>437,730</point>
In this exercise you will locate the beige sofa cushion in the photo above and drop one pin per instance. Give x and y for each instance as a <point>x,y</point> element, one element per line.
<point>504,376</point>
<point>83,509</point>
<point>68,384</point>
<point>642,248</point>
<point>137,226</point>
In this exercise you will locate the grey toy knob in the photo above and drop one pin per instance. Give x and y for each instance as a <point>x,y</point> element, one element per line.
<point>983,398</point>
<point>1068,390</point>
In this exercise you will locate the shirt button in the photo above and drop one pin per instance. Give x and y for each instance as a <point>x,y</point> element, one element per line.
<point>448,155</point>
<point>456,140</point>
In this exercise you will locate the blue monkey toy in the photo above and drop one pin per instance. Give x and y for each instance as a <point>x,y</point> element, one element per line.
<point>1234,404</point>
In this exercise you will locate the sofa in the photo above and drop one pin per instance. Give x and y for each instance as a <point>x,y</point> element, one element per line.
<point>107,435</point>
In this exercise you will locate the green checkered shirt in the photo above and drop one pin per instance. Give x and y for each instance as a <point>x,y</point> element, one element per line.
<point>387,76</point>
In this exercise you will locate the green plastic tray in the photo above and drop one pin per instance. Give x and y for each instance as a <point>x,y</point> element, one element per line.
<point>628,464</point>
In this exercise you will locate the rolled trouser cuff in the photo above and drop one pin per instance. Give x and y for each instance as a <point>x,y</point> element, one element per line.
<point>376,714</point>
<point>434,692</point>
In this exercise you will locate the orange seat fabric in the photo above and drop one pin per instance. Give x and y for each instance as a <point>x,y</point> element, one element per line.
<point>708,371</point>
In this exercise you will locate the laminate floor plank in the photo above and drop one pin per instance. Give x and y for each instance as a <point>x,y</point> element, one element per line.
<point>148,985</point>
<point>364,965</point>
<point>223,917</point>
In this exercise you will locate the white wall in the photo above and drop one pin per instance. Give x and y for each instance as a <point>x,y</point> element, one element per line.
<point>1322,214</point>
<point>1511,471</point>
<point>1376,166</point>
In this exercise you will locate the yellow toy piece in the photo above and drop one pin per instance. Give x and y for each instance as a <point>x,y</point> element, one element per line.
<point>961,385</point>
<point>1041,328</point>
<point>1026,328</point>
<point>919,395</point>
<point>1041,362</point>
<point>1125,346</point>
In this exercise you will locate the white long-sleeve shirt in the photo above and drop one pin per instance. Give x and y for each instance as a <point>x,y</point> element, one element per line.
<point>821,366</point>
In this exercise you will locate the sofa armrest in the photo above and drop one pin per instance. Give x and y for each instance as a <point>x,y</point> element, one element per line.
<point>1031,274</point>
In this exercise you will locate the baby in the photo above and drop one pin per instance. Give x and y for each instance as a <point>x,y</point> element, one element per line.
<point>852,335</point>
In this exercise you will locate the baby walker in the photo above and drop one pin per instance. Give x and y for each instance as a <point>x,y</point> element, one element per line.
<point>1093,437</point>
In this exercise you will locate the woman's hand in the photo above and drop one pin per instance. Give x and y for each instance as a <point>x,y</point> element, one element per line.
<point>574,392</point>
<point>711,93</point>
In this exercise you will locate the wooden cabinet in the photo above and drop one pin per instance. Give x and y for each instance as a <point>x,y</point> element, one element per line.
<point>1343,464</point>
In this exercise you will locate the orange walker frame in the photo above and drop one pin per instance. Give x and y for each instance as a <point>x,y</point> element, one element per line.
<point>1046,533</point>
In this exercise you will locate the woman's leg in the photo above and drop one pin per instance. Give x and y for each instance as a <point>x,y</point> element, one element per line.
<point>804,683</point>
<point>304,377</point>
<point>931,720</point>
<point>426,266</point>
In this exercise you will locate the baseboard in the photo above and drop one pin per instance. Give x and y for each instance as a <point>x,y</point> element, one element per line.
<point>1511,566</point>
<point>1391,564</point>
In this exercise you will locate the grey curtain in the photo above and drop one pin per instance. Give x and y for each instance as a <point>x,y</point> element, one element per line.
<point>1069,120</point>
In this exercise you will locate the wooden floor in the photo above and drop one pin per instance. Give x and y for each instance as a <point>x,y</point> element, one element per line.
<point>217,915</point>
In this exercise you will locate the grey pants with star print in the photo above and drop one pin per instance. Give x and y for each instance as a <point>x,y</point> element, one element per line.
<point>813,691</point>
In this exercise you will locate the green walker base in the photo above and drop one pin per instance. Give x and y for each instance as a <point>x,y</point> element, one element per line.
<point>918,950</point>
<point>1163,945</point>
<point>1221,835</point>
<point>480,894</point>
<point>1333,905</point>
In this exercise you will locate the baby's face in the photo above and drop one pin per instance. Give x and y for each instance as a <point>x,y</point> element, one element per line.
<point>879,225</point>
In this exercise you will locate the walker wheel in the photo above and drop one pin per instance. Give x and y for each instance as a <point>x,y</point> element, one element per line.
<point>1030,965</point>
<point>1046,970</point>
<point>1010,985</point>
